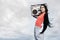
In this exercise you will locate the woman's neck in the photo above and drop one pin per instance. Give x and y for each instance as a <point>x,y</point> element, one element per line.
<point>44,12</point>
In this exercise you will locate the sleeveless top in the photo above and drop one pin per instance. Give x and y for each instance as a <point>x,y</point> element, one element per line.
<point>40,20</point>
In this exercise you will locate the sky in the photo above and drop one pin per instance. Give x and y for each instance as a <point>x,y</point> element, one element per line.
<point>16,22</point>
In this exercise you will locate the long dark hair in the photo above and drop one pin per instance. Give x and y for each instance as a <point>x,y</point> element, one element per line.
<point>46,19</point>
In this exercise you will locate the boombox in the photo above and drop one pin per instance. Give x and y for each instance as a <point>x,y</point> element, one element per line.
<point>35,9</point>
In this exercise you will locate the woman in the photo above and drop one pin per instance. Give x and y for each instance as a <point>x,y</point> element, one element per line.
<point>41,23</point>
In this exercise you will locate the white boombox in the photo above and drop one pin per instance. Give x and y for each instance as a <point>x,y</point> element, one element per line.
<point>35,9</point>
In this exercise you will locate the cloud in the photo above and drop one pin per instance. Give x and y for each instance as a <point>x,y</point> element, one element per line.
<point>13,22</point>
<point>17,23</point>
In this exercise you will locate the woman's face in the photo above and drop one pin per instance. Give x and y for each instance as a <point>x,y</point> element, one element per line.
<point>42,9</point>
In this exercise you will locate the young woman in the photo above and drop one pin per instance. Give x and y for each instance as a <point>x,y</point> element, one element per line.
<point>41,23</point>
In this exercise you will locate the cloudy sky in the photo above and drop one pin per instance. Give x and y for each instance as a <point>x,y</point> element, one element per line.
<point>16,22</point>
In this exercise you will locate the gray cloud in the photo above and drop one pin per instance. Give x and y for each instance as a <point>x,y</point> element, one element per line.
<point>16,22</point>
